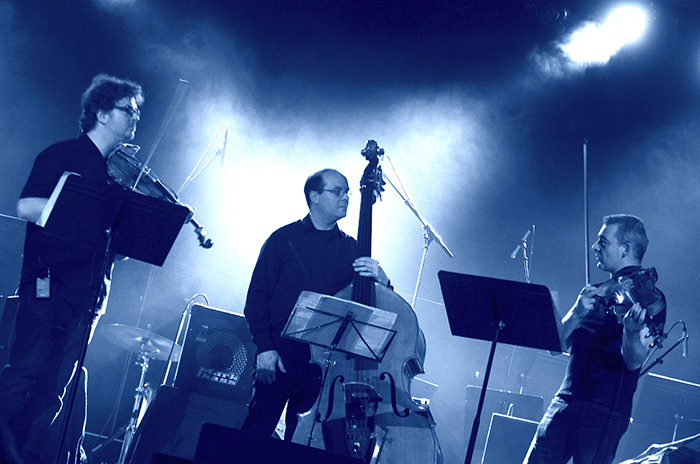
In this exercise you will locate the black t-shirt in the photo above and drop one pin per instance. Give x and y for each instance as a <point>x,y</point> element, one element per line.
<point>596,369</point>
<point>73,268</point>
<point>295,258</point>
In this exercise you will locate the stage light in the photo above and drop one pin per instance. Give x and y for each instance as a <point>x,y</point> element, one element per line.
<point>625,24</point>
<point>596,43</point>
<point>587,46</point>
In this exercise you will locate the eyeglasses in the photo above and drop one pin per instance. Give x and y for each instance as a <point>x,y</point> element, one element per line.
<point>130,110</point>
<point>338,192</point>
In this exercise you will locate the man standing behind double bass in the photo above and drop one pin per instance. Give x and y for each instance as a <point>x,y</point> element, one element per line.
<point>62,282</point>
<point>609,344</point>
<point>310,254</point>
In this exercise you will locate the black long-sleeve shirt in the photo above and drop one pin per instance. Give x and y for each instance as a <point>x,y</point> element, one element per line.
<point>75,268</point>
<point>295,258</point>
<point>596,369</point>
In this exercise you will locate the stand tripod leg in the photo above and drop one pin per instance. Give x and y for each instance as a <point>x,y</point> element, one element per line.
<point>109,440</point>
<point>138,401</point>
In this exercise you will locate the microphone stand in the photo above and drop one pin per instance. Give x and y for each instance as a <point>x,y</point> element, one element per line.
<point>195,172</point>
<point>429,235</point>
<point>527,258</point>
<point>660,359</point>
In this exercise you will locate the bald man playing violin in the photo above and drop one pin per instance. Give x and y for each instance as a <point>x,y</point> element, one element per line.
<point>609,341</point>
<point>62,284</point>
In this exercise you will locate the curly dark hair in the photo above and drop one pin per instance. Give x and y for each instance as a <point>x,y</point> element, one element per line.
<point>103,93</point>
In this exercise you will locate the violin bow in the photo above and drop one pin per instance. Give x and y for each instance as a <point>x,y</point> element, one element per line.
<point>174,103</point>
<point>585,211</point>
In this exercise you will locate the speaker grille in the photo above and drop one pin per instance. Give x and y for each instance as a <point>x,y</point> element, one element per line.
<point>218,355</point>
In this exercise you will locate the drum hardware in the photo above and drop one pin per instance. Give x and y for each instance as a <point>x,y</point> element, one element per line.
<point>147,345</point>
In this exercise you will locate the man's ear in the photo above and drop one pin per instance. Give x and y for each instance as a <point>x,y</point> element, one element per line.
<point>626,249</point>
<point>313,196</point>
<point>102,116</point>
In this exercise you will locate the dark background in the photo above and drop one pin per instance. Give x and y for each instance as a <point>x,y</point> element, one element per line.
<point>483,121</point>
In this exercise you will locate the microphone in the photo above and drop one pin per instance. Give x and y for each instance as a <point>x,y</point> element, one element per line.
<point>515,252</point>
<point>685,342</point>
<point>522,240</point>
<point>223,148</point>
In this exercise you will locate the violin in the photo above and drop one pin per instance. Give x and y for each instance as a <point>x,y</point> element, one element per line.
<point>620,294</point>
<point>129,172</point>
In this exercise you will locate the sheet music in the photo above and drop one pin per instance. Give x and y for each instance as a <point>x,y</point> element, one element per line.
<point>303,312</point>
<point>52,199</point>
<point>374,336</point>
<point>317,317</point>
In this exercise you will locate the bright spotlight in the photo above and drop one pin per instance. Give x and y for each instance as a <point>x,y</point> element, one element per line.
<point>625,24</point>
<point>596,43</point>
<point>587,45</point>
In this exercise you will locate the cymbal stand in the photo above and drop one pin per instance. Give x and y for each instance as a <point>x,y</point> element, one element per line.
<point>141,390</point>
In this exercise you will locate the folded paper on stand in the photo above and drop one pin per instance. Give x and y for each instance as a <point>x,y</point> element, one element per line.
<point>52,199</point>
<point>317,318</point>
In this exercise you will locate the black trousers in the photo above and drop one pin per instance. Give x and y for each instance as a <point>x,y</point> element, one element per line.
<point>297,389</point>
<point>586,431</point>
<point>41,364</point>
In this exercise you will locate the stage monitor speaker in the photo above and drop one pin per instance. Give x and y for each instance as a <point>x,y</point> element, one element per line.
<point>508,439</point>
<point>497,402</point>
<point>223,445</point>
<point>173,422</point>
<point>218,356</point>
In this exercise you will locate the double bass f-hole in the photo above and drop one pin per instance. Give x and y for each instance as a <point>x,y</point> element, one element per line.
<point>130,173</point>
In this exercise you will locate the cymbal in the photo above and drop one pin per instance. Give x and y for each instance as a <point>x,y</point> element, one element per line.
<point>139,340</point>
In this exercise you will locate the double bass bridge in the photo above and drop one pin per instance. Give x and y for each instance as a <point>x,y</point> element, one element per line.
<point>360,408</point>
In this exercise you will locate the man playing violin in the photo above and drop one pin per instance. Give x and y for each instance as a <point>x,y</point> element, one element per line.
<point>62,282</point>
<point>609,342</point>
<point>310,254</point>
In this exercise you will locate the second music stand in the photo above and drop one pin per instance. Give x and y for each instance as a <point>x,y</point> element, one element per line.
<point>498,310</point>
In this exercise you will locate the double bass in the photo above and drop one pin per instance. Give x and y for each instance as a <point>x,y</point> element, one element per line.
<point>365,408</point>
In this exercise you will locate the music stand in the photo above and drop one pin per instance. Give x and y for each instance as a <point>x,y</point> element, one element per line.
<point>111,220</point>
<point>341,325</point>
<point>498,310</point>
<point>137,226</point>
